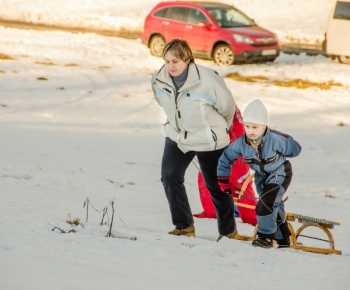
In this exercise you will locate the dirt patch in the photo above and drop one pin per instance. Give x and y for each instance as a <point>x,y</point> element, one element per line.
<point>305,84</point>
<point>40,26</point>
<point>5,56</point>
<point>297,83</point>
<point>45,62</point>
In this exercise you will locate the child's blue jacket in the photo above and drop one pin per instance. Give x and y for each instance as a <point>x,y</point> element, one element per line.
<point>268,159</point>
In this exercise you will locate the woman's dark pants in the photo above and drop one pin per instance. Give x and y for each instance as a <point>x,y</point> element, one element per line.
<point>174,165</point>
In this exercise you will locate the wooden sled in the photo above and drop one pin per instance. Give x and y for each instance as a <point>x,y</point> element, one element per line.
<point>322,224</point>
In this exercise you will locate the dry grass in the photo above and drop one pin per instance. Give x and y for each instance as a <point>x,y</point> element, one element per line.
<point>5,56</point>
<point>297,83</point>
<point>341,124</point>
<point>75,221</point>
<point>3,105</point>
<point>305,84</point>
<point>42,79</point>
<point>71,64</point>
<point>45,62</point>
<point>237,77</point>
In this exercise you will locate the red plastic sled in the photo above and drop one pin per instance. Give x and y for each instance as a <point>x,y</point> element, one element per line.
<point>239,173</point>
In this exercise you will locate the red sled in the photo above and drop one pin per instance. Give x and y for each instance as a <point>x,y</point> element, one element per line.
<point>240,171</point>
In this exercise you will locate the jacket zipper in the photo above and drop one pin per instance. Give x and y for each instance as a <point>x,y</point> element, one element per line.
<point>261,165</point>
<point>215,138</point>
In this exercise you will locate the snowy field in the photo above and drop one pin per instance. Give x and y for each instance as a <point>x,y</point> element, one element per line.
<point>78,120</point>
<point>294,21</point>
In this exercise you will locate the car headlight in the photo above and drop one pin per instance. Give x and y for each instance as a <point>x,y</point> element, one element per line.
<point>241,38</point>
<point>275,37</point>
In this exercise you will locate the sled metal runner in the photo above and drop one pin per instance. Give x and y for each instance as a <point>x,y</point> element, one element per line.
<point>322,224</point>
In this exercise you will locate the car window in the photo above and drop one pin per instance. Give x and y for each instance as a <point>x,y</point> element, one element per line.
<point>177,13</point>
<point>228,17</point>
<point>342,10</point>
<point>195,16</point>
<point>216,14</point>
<point>160,13</point>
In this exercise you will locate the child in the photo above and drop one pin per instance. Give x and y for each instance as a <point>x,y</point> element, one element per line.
<point>265,151</point>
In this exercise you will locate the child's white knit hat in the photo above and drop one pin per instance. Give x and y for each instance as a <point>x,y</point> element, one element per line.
<point>256,113</point>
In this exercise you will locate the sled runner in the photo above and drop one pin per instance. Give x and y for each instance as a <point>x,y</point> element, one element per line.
<point>322,224</point>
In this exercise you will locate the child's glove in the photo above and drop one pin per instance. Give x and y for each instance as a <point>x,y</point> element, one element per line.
<point>224,183</point>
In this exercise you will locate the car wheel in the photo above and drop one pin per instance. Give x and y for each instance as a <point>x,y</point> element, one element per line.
<point>156,45</point>
<point>344,59</point>
<point>223,55</point>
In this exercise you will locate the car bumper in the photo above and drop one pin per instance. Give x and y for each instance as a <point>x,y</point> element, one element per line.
<point>256,55</point>
<point>144,41</point>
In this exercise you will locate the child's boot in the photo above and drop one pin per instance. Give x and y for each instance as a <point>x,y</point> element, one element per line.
<point>263,241</point>
<point>284,243</point>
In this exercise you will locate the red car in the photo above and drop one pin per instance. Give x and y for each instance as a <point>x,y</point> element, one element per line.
<point>213,31</point>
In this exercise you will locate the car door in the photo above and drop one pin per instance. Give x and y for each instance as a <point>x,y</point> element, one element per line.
<point>174,23</point>
<point>199,37</point>
<point>338,33</point>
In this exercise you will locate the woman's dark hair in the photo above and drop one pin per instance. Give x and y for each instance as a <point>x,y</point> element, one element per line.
<point>180,49</point>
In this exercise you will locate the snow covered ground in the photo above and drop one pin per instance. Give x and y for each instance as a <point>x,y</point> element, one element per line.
<point>78,120</point>
<point>294,21</point>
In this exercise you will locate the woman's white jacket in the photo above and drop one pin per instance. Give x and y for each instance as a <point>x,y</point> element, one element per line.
<point>200,114</point>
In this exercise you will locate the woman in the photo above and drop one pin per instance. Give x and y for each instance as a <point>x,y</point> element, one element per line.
<point>199,109</point>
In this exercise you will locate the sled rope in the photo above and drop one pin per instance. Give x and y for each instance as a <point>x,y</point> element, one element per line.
<point>196,164</point>
<point>244,186</point>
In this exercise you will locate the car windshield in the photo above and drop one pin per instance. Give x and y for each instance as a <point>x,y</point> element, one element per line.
<point>228,17</point>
